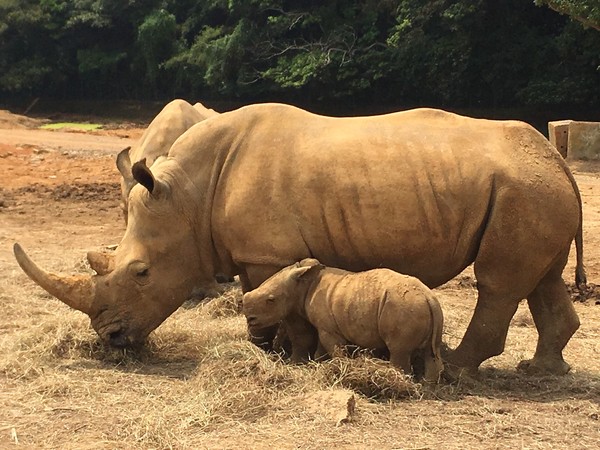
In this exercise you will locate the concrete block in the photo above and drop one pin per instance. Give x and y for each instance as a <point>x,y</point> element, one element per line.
<point>584,141</point>
<point>558,134</point>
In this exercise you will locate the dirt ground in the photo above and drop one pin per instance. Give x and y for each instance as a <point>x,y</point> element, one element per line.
<point>199,384</point>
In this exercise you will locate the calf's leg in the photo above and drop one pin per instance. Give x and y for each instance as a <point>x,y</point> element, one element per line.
<point>401,358</point>
<point>331,341</point>
<point>433,367</point>
<point>303,337</point>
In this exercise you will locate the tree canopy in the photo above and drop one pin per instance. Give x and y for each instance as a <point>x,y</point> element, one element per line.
<point>585,11</point>
<point>442,52</point>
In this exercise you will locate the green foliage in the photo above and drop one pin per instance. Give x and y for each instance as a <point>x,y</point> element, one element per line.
<point>95,59</point>
<point>156,42</point>
<point>436,52</point>
<point>585,11</point>
<point>23,74</point>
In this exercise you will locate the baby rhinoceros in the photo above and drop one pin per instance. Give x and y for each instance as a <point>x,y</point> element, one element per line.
<point>377,309</point>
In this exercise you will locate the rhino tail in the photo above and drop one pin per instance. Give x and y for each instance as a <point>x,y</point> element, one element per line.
<point>437,326</point>
<point>580,275</point>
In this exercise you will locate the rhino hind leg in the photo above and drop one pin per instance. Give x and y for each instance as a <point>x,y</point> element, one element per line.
<point>402,359</point>
<point>485,336</point>
<point>515,262</point>
<point>433,369</point>
<point>433,363</point>
<point>556,321</point>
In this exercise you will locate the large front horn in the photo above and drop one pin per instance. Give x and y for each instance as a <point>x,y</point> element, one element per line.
<point>77,291</point>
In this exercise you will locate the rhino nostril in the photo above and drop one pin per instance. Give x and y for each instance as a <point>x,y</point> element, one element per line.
<point>251,320</point>
<point>118,339</point>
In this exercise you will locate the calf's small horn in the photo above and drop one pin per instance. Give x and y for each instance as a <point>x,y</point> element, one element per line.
<point>77,291</point>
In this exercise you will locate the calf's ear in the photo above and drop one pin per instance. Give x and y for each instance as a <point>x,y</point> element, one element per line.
<point>304,273</point>
<point>309,262</point>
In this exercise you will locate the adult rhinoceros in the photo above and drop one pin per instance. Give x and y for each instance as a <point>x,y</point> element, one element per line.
<point>171,122</point>
<point>423,192</point>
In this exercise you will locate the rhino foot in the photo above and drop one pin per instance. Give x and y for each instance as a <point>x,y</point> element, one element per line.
<point>544,366</point>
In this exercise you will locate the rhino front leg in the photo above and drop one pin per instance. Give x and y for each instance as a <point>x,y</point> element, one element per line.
<point>303,337</point>
<point>321,354</point>
<point>556,321</point>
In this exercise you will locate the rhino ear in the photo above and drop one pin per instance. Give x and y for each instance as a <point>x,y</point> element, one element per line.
<point>124,162</point>
<point>310,262</point>
<point>305,272</point>
<point>102,263</point>
<point>143,175</point>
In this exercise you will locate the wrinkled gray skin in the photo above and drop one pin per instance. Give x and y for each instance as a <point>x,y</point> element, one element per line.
<point>422,192</point>
<point>377,309</point>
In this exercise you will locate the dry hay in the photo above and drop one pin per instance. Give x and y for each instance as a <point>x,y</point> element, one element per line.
<point>199,383</point>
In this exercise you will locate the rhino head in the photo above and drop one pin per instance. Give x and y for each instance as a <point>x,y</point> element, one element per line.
<point>280,294</point>
<point>153,271</point>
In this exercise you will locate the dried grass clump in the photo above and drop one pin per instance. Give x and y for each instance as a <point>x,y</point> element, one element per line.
<point>371,377</point>
<point>228,304</point>
<point>40,345</point>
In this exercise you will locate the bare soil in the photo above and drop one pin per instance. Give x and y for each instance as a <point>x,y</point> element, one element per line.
<point>200,384</point>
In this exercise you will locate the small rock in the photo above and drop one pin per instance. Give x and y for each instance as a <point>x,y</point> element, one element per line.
<point>336,405</point>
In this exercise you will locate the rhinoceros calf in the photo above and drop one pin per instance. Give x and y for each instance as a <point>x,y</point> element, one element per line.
<point>376,309</point>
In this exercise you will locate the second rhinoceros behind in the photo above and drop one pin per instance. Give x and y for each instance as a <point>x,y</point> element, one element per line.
<point>377,309</point>
<point>172,121</point>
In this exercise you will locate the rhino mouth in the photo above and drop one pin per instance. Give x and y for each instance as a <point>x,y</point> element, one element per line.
<point>251,320</point>
<point>119,339</point>
<point>254,322</point>
<point>117,335</point>
<point>256,325</point>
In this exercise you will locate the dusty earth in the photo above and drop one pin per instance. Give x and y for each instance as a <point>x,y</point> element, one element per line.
<point>199,384</point>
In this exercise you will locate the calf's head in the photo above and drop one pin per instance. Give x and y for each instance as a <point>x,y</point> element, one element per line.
<point>279,295</point>
<point>154,269</point>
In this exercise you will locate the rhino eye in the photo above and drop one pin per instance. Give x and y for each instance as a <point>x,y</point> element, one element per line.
<point>271,299</point>
<point>139,271</point>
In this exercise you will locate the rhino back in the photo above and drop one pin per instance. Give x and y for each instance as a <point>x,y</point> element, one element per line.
<point>410,191</point>
<point>367,307</point>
